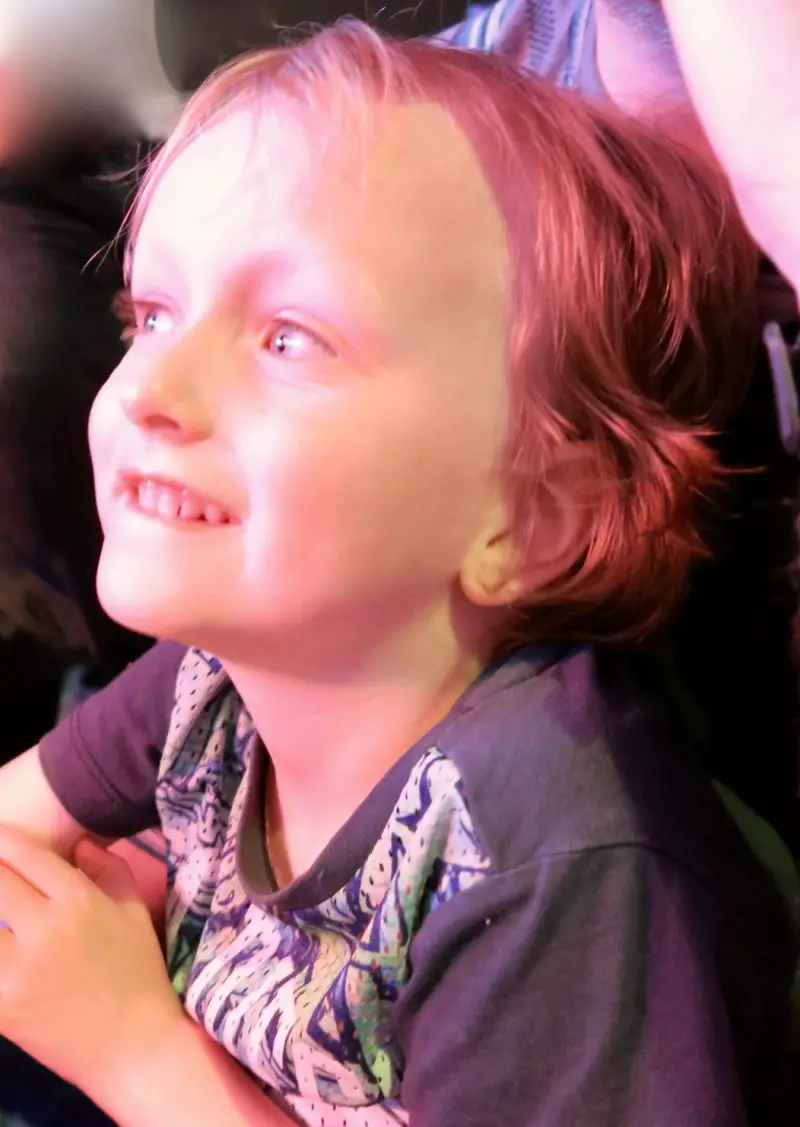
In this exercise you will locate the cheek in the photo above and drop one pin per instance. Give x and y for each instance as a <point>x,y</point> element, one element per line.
<point>100,424</point>
<point>377,485</point>
<point>298,477</point>
<point>105,432</point>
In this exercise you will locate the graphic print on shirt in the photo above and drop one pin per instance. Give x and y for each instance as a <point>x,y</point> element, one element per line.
<point>204,761</point>
<point>301,998</point>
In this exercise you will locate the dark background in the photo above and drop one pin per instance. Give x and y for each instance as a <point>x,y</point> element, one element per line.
<point>195,36</point>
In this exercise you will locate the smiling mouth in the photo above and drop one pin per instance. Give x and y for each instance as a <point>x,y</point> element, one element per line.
<point>172,502</point>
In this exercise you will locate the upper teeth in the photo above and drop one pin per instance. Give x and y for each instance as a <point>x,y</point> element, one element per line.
<point>176,504</point>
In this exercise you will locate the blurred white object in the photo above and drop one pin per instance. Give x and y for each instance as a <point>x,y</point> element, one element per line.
<point>102,52</point>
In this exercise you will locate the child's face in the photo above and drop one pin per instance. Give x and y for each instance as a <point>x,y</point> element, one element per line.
<point>303,442</point>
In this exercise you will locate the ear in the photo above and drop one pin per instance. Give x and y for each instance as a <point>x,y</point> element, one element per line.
<point>508,563</point>
<point>488,572</point>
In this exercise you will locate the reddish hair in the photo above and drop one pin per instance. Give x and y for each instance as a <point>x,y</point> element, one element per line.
<point>631,274</point>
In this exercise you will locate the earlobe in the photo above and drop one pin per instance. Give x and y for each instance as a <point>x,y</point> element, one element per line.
<point>489,573</point>
<point>509,562</point>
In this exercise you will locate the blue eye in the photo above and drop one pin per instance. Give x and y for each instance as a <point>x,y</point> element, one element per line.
<point>155,320</point>
<point>290,341</point>
<point>139,319</point>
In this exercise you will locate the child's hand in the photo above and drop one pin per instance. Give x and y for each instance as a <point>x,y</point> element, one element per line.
<point>83,985</point>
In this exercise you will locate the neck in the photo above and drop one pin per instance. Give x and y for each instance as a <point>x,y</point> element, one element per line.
<point>332,735</point>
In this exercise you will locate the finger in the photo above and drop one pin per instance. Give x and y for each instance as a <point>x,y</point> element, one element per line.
<point>106,870</point>
<point>38,865</point>
<point>20,903</point>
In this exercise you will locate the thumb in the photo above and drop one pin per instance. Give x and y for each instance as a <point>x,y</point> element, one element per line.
<point>108,872</point>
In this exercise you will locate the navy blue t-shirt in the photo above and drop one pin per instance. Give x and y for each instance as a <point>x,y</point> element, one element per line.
<point>541,917</point>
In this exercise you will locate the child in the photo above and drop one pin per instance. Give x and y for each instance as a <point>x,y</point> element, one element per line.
<point>411,430</point>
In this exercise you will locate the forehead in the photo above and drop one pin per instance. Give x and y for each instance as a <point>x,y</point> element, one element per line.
<point>408,191</point>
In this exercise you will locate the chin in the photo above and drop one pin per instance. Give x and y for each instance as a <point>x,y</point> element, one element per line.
<point>141,618</point>
<point>146,601</point>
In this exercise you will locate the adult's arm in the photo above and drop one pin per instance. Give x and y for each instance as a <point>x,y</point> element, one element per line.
<point>740,61</point>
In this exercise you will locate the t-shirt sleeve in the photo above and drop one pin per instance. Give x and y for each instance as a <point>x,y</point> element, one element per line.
<point>485,26</point>
<point>102,761</point>
<point>580,990</point>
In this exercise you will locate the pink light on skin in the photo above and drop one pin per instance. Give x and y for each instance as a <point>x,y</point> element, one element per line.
<point>301,361</point>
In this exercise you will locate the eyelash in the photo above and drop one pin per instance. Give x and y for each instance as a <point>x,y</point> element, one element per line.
<point>125,312</point>
<point>129,317</point>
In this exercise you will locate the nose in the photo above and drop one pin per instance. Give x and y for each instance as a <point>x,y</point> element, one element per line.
<point>163,398</point>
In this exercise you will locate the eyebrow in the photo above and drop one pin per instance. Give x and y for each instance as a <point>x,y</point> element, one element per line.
<point>300,272</point>
<point>158,260</point>
<point>312,277</point>
<point>283,265</point>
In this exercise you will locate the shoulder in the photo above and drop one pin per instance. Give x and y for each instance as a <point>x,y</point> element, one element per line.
<point>584,864</point>
<point>141,697</point>
<point>102,760</point>
<point>554,752</point>
<point>564,753</point>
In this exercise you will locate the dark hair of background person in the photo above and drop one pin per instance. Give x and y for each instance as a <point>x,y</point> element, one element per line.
<point>59,341</point>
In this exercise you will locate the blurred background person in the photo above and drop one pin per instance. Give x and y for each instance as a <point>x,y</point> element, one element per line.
<point>82,95</point>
